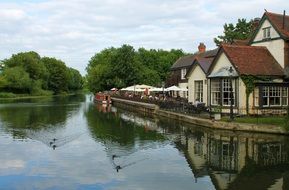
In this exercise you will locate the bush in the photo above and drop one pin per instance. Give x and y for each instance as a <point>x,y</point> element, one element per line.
<point>7,95</point>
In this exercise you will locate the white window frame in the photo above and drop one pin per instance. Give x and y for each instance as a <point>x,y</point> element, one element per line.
<point>199,90</point>
<point>267,33</point>
<point>226,90</point>
<point>274,96</point>
<point>183,73</point>
<point>215,92</point>
<point>220,91</point>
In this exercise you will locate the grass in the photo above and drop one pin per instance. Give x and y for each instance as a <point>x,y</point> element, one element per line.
<point>265,120</point>
<point>9,95</point>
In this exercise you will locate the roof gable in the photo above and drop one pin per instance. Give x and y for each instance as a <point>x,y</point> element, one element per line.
<point>276,21</point>
<point>203,63</point>
<point>221,66</point>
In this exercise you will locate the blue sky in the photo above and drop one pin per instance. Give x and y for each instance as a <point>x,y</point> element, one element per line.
<point>74,30</point>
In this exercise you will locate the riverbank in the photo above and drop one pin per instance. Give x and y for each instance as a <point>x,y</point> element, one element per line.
<point>35,96</point>
<point>233,126</point>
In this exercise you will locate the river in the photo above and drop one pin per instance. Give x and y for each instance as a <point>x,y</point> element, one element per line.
<point>72,143</point>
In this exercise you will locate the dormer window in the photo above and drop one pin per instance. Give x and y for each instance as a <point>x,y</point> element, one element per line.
<point>266,33</point>
<point>183,73</point>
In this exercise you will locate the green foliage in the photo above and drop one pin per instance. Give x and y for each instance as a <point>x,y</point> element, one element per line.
<point>120,67</point>
<point>58,75</point>
<point>7,95</point>
<point>96,78</point>
<point>268,120</point>
<point>249,82</point>
<point>31,62</point>
<point>75,80</point>
<point>241,31</point>
<point>18,79</point>
<point>217,109</point>
<point>30,74</point>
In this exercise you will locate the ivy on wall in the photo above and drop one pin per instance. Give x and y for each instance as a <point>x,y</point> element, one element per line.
<point>249,81</point>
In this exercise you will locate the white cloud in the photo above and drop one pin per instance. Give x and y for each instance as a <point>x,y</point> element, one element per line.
<point>12,164</point>
<point>73,30</point>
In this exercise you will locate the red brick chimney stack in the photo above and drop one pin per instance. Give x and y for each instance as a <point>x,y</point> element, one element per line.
<point>202,48</point>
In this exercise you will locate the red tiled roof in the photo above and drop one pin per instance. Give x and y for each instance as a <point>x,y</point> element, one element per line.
<point>277,21</point>
<point>253,60</point>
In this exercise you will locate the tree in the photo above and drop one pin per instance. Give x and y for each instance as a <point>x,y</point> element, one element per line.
<point>241,31</point>
<point>96,78</point>
<point>58,75</point>
<point>125,65</point>
<point>121,67</point>
<point>17,79</point>
<point>32,64</point>
<point>75,81</point>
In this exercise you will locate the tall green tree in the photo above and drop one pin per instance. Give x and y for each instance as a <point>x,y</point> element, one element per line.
<point>31,62</point>
<point>75,80</point>
<point>241,31</point>
<point>124,66</point>
<point>58,75</point>
<point>16,79</point>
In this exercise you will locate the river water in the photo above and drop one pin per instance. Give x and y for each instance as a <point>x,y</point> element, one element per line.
<point>72,143</point>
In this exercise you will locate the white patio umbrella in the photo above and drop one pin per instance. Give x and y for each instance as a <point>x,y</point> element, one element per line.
<point>173,88</point>
<point>158,90</point>
<point>143,86</point>
<point>139,90</point>
<point>130,88</point>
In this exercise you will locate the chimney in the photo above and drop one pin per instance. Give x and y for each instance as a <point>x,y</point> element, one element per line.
<point>255,23</point>
<point>202,48</point>
<point>284,13</point>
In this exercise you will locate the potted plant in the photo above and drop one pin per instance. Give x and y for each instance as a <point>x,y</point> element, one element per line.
<point>217,110</point>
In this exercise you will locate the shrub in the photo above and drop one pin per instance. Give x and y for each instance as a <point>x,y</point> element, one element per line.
<point>7,95</point>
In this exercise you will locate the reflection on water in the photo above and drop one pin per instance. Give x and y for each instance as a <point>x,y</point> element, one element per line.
<point>238,160</point>
<point>72,143</point>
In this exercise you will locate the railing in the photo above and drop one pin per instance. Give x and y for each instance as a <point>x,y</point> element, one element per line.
<point>257,115</point>
<point>172,104</point>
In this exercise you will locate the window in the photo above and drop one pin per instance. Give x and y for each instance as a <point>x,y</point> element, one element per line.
<point>266,33</point>
<point>183,73</point>
<point>220,92</point>
<point>256,96</point>
<point>199,90</point>
<point>226,92</point>
<point>215,92</point>
<point>274,96</point>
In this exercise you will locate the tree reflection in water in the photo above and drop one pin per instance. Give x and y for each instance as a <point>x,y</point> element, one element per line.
<point>233,160</point>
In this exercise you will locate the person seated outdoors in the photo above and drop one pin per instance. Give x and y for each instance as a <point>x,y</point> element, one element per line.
<point>197,102</point>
